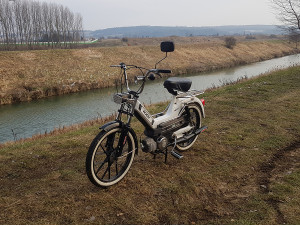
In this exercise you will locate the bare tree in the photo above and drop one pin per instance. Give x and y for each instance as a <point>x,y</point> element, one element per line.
<point>294,36</point>
<point>51,23</point>
<point>70,22</point>
<point>288,12</point>
<point>19,20</point>
<point>4,20</point>
<point>45,23</point>
<point>26,20</point>
<point>37,26</point>
<point>78,28</point>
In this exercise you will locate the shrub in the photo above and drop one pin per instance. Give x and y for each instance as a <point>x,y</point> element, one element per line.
<point>125,39</point>
<point>230,42</point>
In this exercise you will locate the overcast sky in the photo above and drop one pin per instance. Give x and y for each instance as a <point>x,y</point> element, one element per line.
<point>100,14</point>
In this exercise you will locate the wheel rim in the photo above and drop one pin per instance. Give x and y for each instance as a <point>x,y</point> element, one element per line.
<point>195,121</point>
<point>109,163</point>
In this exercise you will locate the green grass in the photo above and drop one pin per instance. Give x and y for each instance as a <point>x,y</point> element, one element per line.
<point>251,143</point>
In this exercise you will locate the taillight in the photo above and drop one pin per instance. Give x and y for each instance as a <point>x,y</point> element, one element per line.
<point>203,102</point>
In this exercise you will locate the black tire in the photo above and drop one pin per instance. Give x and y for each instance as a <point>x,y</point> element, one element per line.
<point>104,167</point>
<point>195,122</point>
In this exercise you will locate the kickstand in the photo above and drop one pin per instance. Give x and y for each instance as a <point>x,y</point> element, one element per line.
<point>166,152</point>
<point>154,156</point>
<point>166,155</point>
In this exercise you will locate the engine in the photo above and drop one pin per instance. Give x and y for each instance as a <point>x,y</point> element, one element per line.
<point>150,145</point>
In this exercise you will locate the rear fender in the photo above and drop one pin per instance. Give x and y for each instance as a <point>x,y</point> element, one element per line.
<point>198,102</point>
<point>118,124</point>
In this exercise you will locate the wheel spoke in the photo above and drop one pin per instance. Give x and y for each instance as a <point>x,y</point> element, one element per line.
<point>103,149</point>
<point>105,173</point>
<point>117,171</point>
<point>100,167</point>
<point>109,171</point>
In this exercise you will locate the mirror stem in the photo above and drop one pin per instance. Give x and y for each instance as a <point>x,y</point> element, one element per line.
<point>161,60</point>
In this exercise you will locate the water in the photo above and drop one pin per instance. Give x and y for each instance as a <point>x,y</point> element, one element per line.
<point>24,120</point>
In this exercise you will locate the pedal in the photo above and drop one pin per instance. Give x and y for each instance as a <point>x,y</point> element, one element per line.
<point>176,155</point>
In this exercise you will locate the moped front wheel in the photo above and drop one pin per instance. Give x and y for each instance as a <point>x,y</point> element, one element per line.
<point>106,164</point>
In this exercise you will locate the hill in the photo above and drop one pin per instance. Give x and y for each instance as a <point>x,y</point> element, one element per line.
<point>160,31</point>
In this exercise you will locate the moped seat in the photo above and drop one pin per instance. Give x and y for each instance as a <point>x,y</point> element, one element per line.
<point>178,84</point>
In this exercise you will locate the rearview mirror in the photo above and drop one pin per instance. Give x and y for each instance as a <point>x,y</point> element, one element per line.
<point>167,47</point>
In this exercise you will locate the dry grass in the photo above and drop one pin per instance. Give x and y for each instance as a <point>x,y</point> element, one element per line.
<point>236,173</point>
<point>36,74</point>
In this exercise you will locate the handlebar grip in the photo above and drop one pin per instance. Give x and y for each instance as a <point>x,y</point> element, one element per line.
<point>164,71</point>
<point>121,65</point>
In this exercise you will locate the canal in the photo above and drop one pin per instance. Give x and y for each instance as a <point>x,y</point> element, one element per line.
<point>23,120</point>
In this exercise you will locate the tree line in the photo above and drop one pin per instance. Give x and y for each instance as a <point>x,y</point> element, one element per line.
<point>30,23</point>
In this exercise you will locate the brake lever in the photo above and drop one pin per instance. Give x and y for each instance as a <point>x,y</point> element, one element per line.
<point>139,78</point>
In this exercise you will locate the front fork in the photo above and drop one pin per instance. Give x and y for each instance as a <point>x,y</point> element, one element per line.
<point>125,127</point>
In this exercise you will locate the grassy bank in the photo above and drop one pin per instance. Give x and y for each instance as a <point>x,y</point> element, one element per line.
<point>243,170</point>
<point>28,75</point>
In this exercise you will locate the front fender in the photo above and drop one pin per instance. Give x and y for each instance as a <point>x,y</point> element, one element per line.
<point>110,125</point>
<point>115,124</point>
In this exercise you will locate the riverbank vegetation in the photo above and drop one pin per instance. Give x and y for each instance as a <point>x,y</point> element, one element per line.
<point>29,75</point>
<point>243,170</point>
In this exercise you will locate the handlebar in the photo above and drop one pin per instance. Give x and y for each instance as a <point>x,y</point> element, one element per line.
<point>164,71</point>
<point>121,65</point>
<point>156,71</point>
<point>150,74</point>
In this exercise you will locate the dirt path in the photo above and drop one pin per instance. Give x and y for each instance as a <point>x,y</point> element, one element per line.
<point>283,162</point>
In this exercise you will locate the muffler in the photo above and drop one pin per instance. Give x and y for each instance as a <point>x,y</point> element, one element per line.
<point>187,137</point>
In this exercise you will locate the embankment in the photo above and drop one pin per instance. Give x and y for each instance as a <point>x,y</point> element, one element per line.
<point>29,75</point>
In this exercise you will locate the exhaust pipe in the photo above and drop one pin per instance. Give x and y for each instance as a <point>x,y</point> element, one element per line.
<point>197,132</point>
<point>185,138</point>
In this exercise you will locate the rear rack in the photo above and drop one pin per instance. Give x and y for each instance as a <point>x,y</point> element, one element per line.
<point>190,93</point>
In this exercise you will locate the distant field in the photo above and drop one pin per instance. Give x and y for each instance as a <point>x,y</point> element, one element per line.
<point>243,170</point>
<point>28,75</point>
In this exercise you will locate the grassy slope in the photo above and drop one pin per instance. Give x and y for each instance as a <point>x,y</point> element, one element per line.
<point>28,75</point>
<point>237,173</point>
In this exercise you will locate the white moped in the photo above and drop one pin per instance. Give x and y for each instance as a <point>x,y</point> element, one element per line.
<point>112,151</point>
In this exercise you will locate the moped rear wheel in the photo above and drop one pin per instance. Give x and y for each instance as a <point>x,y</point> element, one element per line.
<point>106,165</point>
<point>195,122</point>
